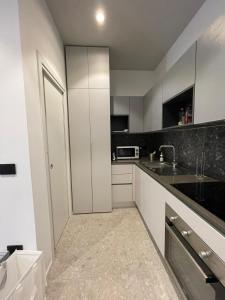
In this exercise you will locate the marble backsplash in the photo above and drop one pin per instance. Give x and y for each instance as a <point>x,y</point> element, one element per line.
<point>189,144</point>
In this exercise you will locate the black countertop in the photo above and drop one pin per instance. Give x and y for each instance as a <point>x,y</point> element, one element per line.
<point>169,181</point>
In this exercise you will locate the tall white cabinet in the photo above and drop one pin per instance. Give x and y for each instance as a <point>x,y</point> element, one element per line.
<point>210,74</point>
<point>89,125</point>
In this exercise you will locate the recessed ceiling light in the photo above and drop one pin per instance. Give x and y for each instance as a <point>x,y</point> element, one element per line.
<point>100,17</point>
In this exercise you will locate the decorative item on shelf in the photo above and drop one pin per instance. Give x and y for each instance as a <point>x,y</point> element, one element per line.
<point>188,115</point>
<point>185,116</point>
<point>181,117</point>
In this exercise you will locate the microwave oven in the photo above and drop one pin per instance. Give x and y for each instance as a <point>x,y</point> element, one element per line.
<point>127,152</point>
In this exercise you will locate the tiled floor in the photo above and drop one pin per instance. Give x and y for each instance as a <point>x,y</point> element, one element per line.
<point>108,256</point>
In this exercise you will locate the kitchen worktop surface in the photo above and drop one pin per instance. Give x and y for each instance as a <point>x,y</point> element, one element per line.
<point>169,181</point>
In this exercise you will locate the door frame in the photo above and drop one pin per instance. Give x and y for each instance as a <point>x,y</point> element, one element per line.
<point>45,70</point>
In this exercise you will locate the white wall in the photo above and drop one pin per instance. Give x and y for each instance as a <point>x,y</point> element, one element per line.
<point>16,201</point>
<point>38,33</point>
<point>130,83</point>
<point>205,16</point>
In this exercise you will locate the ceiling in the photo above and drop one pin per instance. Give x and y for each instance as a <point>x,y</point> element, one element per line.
<point>138,32</point>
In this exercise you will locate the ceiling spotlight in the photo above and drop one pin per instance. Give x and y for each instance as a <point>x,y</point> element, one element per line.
<point>100,17</point>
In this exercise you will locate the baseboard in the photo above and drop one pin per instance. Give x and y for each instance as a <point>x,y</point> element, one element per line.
<point>126,204</point>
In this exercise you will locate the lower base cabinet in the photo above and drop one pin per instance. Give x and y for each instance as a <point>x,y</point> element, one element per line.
<point>122,185</point>
<point>122,195</point>
<point>150,200</point>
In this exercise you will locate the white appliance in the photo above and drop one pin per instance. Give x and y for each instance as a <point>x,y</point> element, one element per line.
<point>127,152</point>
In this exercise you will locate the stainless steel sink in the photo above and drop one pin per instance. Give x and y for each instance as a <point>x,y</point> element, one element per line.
<point>155,164</point>
<point>165,169</point>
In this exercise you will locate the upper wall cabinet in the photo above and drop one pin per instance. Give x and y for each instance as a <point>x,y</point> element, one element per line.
<point>181,76</point>
<point>131,107</point>
<point>210,74</point>
<point>77,67</point>
<point>153,109</point>
<point>120,105</point>
<point>87,67</point>
<point>136,115</point>
<point>98,62</point>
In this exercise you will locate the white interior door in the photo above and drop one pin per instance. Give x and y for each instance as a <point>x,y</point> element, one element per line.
<point>56,156</point>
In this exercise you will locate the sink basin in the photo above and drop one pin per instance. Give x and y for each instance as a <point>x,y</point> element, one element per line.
<point>155,164</point>
<point>165,169</point>
<point>170,171</point>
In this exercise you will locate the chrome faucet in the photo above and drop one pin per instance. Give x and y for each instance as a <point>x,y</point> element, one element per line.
<point>174,163</point>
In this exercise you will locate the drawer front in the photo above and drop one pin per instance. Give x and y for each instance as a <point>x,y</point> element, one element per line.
<point>122,193</point>
<point>122,169</point>
<point>122,179</point>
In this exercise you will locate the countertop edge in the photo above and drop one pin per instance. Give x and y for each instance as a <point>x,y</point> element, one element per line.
<point>213,220</point>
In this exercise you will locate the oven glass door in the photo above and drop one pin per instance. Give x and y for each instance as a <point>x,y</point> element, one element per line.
<point>188,272</point>
<point>125,152</point>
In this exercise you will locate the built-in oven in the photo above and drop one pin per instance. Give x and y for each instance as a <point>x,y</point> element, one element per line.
<point>199,271</point>
<point>127,152</point>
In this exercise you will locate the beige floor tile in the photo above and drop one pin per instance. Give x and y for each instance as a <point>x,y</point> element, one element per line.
<point>108,256</point>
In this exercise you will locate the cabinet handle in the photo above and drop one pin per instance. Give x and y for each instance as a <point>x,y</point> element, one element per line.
<point>173,219</point>
<point>204,254</point>
<point>186,233</point>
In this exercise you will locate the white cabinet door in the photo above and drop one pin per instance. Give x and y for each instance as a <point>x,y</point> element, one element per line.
<point>122,195</point>
<point>121,105</point>
<point>210,74</point>
<point>138,188</point>
<point>181,76</point>
<point>153,109</point>
<point>156,212</point>
<point>101,149</point>
<point>150,199</point>
<point>136,115</point>
<point>80,147</point>
<point>98,63</point>
<point>77,67</point>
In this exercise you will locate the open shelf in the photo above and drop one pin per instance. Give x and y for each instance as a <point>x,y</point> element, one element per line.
<point>120,124</point>
<point>172,108</point>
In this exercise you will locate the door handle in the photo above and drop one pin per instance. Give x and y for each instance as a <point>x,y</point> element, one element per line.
<point>51,166</point>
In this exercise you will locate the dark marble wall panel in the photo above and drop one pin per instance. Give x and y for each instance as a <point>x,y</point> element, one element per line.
<point>140,140</point>
<point>189,144</point>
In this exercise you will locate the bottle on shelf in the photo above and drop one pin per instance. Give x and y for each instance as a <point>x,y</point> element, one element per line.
<point>181,117</point>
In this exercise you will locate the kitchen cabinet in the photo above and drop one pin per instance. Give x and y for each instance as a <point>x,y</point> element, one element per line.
<point>100,149</point>
<point>120,105</point>
<point>89,128</point>
<point>80,149</point>
<point>77,67</point>
<point>210,74</point>
<point>98,67</point>
<point>153,109</point>
<point>87,67</point>
<point>181,76</point>
<point>150,200</point>
<point>136,115</point>
<point>129,106</point>
<point>122,185</point>
<point>138,191</point>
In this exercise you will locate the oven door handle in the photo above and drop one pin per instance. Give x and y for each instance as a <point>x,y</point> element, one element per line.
<point>209,277</point>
